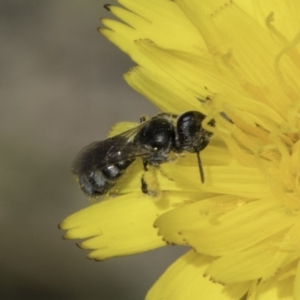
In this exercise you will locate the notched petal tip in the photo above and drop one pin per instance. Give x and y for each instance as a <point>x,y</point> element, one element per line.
<point>79,246</point>
<point>107,6</point>
<point>131,69</point>
<point>60,226</point>
<point>167,242</point>
<point>82,246</point>
<point>216,281</point>
<point>94,259</point>
<point>172,244</point>
<point>66,236</point>
<point>63,225</point>
<point>104,31</point>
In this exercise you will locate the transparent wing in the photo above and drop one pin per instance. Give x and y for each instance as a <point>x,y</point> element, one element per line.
<point>99,155</point>
<point>121,147</point>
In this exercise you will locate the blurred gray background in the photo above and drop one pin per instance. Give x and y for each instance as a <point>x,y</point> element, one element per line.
<point>61,88</point>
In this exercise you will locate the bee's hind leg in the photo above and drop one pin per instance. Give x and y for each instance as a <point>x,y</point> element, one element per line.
<point>149,184</point>
<point>144,185</point>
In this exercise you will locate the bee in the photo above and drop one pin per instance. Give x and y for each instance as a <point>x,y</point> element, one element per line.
<point>100,165</point>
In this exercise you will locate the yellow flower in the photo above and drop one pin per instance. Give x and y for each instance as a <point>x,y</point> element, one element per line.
<point>238,62</point>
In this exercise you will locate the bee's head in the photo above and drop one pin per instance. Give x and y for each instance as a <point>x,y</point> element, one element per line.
<point>191,136</point>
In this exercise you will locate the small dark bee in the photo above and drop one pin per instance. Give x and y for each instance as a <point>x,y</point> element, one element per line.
<point>100,165</point>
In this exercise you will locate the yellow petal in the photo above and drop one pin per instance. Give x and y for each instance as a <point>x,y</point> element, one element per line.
<point>196,73</point>
<point>260,261</point>
<point>184,280</point>
<point>277,287</point>
<point>232,180</point>
<point>146,22</point>
<point>119,226</point>
<point>166,93</point>
<point>285,18</point>
<point>216,154</point>
<point>192,215</point>
<point>226,28</point>
<point>241,228</point>
<point>162,22</point>
<point>296,288</point>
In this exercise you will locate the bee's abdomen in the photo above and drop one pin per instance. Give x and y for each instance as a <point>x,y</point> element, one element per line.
<point>99,182</point>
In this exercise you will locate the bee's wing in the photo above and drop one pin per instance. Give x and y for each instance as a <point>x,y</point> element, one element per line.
<point>99,155</point>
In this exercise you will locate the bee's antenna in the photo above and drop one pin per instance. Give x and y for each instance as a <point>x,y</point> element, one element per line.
<point>200,166</point>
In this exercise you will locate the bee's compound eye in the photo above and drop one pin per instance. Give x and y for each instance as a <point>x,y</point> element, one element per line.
<point>190,134</point>
<point>188,127</point>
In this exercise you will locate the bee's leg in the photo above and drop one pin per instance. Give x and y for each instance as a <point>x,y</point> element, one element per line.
<point>143,119</point>
<point>149,184</point>
<point>144,186</point>
<point>145,165</point>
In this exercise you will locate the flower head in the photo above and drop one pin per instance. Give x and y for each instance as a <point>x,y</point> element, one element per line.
<point>237,62</point>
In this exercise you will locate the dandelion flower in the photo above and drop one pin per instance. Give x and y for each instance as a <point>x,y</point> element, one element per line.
<point>236,62</point>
